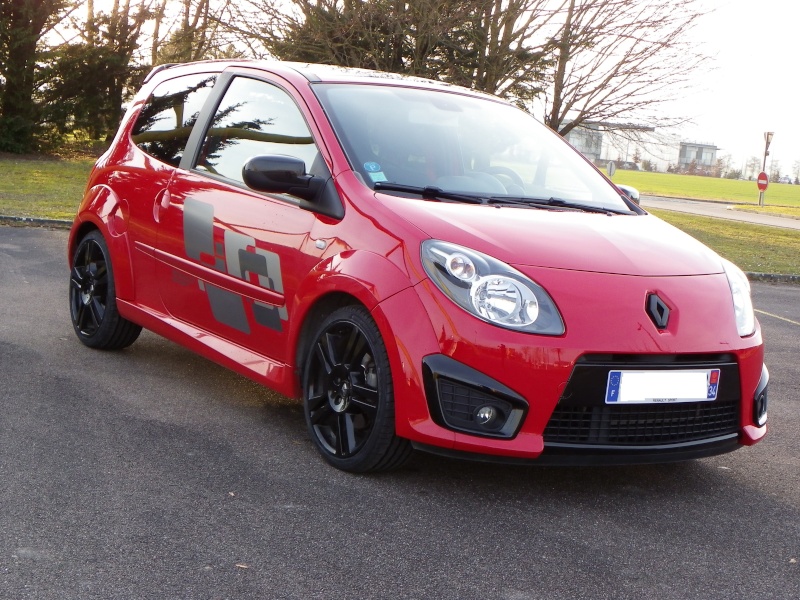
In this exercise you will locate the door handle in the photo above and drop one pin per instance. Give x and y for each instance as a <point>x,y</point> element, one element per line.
<point>161,204</point>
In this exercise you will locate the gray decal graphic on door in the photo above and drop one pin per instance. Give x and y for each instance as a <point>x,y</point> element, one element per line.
<point>239,257</point>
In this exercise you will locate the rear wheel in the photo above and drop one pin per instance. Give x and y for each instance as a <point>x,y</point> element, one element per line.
<point>348,397</point>
<point>92,298</point>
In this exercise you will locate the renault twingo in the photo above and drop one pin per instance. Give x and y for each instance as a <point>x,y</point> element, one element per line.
<point>425,266</point>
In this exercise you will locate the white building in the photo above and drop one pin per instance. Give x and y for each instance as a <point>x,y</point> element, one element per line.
<point>704,156</point>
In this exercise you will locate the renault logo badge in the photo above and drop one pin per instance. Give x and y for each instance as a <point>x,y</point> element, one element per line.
<point>658,311</point>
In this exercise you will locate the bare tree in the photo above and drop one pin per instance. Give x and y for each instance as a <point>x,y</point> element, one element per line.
<point>193,33</point>
<point>775,170</point>
<point>490,45</point>
<point>616,61</point>
<point>753,167</point>
<point>84,80</point>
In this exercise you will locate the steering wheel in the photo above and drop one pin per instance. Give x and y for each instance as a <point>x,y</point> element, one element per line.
<point>510,173</point>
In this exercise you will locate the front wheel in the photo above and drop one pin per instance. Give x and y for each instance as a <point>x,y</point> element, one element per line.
<point>347,394</point>
<point>92,298</point>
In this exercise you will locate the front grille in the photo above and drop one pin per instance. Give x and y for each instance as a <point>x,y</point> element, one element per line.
<point>642,425</point>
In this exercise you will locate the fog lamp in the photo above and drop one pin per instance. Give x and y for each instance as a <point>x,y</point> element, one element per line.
<point>486,416</point>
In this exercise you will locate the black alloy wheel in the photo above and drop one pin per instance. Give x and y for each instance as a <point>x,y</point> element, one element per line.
<point>92,300</point>
<point>348,396</point>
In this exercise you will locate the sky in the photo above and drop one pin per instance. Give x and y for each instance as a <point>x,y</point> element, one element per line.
<point>752,84</point>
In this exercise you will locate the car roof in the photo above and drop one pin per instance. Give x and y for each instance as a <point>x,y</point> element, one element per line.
<point>317,73</point>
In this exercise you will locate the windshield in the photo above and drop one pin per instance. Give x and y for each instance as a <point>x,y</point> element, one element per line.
<point>476,146</point>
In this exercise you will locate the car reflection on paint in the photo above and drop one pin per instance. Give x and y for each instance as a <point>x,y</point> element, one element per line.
<point>426,267</point>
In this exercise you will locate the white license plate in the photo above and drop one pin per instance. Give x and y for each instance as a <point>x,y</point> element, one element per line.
<point>656,387</point>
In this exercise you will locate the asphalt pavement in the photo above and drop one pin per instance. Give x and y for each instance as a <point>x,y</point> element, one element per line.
<point>720,210</point>
<point>153,473</point>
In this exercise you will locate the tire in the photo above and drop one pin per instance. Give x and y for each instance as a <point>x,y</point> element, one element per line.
<point>92,298</point>
<point>348,396</point>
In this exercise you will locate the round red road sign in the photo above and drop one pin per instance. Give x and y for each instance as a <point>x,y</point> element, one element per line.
<point>762,181</point>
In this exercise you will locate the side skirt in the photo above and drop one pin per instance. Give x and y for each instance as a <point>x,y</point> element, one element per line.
<point>270,373</point>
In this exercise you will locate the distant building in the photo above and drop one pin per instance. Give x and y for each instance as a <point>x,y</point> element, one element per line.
<point>597,142</point>
<point>588,140</point>
<point>704,156</point>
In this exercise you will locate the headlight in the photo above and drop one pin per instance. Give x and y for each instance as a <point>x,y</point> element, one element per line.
<point>742,303</point>
<point>490,289</point>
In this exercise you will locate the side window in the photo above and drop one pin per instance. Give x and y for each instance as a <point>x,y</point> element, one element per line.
<point>167,118</point>
<point>255,118</point>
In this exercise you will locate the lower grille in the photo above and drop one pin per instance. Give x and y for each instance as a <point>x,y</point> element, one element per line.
<point>642,425</point>
<point>582,419</point>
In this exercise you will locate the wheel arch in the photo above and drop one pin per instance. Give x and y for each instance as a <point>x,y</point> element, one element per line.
<point>353,277</point>
<point>79,231</point>
<point>316,314</point>
<point>102,210</point>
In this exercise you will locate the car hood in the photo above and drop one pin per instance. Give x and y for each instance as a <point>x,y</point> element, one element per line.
<point>641,245</point>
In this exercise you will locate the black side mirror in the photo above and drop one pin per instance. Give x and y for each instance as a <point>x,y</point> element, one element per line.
<point>282,175</point>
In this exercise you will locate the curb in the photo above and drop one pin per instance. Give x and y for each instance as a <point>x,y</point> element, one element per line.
<point>718,201</point>
<point>32,222</point>
<point>773,278</point>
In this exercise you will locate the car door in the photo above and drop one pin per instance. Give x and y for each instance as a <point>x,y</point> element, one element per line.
<point>230,258</point>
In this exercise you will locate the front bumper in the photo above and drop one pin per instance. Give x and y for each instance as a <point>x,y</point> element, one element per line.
<point>552,388</point>
<point>584,430</point>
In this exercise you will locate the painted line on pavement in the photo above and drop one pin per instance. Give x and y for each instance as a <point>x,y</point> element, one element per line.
<point>763,312</point>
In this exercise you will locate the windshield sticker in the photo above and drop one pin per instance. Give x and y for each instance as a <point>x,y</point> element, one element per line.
<point>372,167</point>
<point>379,176</point>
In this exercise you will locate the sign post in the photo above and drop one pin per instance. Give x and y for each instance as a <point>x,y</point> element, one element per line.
<point>762,181</point>
<point>768,140</point>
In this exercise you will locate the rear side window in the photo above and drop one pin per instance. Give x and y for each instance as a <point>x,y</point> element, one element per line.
<point>167,118</point>
<point>255,118</point>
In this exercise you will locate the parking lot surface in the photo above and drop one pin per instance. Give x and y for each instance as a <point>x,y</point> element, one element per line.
<point>153,473</point>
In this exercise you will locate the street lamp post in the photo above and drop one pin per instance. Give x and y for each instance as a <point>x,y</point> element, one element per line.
<point>767,141</point>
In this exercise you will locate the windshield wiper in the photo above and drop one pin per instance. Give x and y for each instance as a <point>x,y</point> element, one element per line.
<point>556,203</point>
<point>428,192</point>
<point>434,193</point>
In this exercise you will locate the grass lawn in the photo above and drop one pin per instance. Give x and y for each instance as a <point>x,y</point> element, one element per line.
<point>44,188</point>
<point>753,248</point>
<point>672,185</point>
<point>783,211</point>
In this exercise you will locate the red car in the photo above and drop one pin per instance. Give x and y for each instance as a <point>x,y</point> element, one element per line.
<point>427,267</point>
